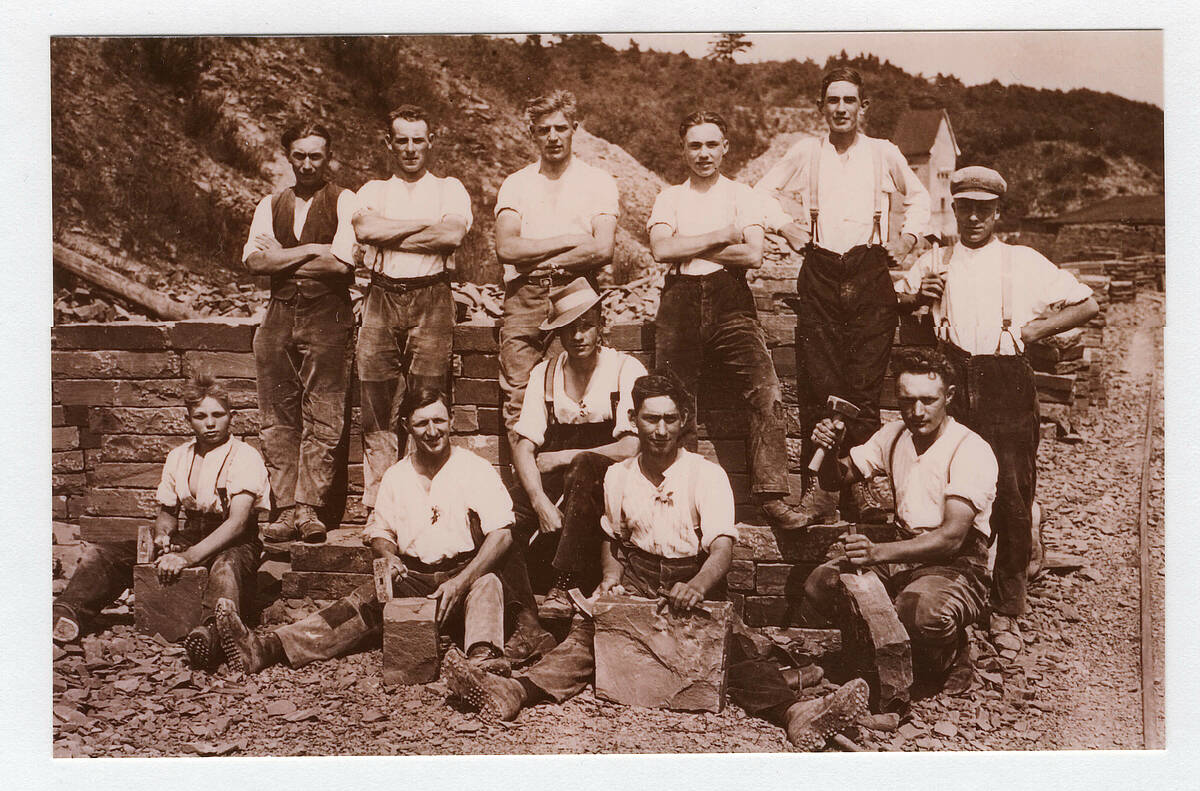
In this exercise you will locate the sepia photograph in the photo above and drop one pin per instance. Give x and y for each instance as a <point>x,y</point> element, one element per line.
<point>557,393</point>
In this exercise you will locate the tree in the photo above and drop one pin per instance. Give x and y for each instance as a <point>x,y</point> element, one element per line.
<point>725,46</point>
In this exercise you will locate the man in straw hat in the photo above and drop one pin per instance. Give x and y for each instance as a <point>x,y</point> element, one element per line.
<point>575,421</point>
<point>989,300</point>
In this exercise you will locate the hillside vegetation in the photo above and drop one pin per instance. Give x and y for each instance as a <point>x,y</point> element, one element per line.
<point>161,147</point>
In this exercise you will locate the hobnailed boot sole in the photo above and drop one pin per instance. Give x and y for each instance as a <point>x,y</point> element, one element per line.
<point>471,685</point>
<point>836,711</point>
<point>203,652</point>
<point>232,632</point>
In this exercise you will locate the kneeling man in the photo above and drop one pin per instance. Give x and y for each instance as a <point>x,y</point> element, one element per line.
<point>944,479</point>
<point>443,520</point>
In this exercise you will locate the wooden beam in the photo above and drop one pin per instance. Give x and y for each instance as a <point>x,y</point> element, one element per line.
<point>107,279</point>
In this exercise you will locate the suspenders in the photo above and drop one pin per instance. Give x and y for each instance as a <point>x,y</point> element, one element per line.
<point>1006,297</point>
<point>548,389</point>
<point>892,465</point>
<point>814,173</point>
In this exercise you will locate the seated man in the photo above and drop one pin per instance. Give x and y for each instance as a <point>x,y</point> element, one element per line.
<point>669,533</point>
<point>944,479</point>
<point>574,423</point>
<point>442,519</point>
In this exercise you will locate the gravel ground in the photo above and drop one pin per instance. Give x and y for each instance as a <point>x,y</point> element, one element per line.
<point>1076,684</point>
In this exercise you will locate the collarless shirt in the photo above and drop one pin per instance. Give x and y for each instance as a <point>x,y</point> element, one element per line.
<point>694,495</point>
<point>233,468</point>
<point>846,190</point>
<point>691,212</point>
<point>959,463</point>
<point>971,302</point>
<point>434,525</point>
<point>263,223</point>
<point>557,207</point>
<point>615,372</point>
<point>430,198</point>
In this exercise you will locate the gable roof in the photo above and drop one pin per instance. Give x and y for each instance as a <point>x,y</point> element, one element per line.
<point>917,129</point>
<point>1128,209</point>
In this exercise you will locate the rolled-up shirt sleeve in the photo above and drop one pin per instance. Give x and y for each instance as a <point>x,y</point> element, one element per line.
<point>910,283</point>
<point>456,202</point>
<point>973,473</point>
<point>870,458</point>
<point>166,494</point>
<point>533,420</point>
<point>665,210</point>
<point>607,198</point>
<point>344,237</point>
<point>388,507</point>
<point>1054,287</point>
<point>714,503</point>
<point>488,498</point>
<point>261,224</point>
<point>248,474</point>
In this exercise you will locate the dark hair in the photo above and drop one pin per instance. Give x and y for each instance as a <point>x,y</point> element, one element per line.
<point>924,360</point>
<point>305,129</point>
<point>843,74</point>
<point>703,117</point>
<point>662,382</point>
<point>408,112</point>
<point>421,397</point>
<point>202,386</point>
<point>551,102</point>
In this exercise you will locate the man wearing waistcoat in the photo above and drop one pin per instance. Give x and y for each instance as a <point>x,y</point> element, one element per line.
<point>304,347</point>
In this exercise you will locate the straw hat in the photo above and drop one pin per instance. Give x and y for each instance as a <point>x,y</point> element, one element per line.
<point>569,303</point>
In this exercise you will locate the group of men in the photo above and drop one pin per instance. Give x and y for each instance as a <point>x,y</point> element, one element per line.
<point>603,452</point>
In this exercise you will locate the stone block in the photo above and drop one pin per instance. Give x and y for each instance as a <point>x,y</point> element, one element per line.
<point>876,641</point>
<point>64,533</point>
<point>128,475</point>
<point>816,643</point>
<point>160,420</point>
<point>780,330</point>
<point>477,365</point>
<point>109,364</point>
<point>808,546</point>
<point>227,335</point>
<point>660,660</point>
<point>477,391</point>
<point>741,575</point>
<point>64,438</point>
<point>410,641</point>
<point>342,551</point>
<point>235,364</point>
<point>109,528</point>
<point>485,446</point>
<point>321,584</point>
<point>626,337</point>
<point>766,610</point>
<point>122,502</point>
<point>724,423</point>
<point>66,461</point>
<point>68,482</point>
<point>137,447</point>
<point>170,610</point>
<point>354,478</point>
<point>59,508</point>
<point>131,335</point>
<point>489,420</point>
<point>466,419</point>
<point>476,338</point>
<point>143,392</point>
<point>772,579</point>
<point>784,358</point>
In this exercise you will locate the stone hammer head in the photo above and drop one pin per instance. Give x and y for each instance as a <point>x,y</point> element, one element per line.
<point>840,406</point>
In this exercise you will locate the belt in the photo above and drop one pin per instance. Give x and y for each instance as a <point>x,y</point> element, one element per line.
<point>737,274</point>
<point>443,566</point>
<point>547,281</point>
<point>401,285</point>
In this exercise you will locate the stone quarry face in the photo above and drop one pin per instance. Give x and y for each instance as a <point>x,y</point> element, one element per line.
<point>659,660</point>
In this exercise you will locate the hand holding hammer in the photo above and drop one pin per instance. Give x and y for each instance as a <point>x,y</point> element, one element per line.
<point>840,410</point>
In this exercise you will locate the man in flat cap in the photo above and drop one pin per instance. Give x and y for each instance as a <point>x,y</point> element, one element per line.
<point>989,300</point>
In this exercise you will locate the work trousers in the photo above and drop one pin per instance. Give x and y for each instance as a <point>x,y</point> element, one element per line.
<point>709,322</point>
<point>997,399</point>
<point>404,342</point>
<point>846,321</point>
<point>754,679</point>
<point>935,604</point>
<point>105,570</point>
<point>357,618</point>
<point>581,485</point>
<point>303,352</point>
<point>522,343</point>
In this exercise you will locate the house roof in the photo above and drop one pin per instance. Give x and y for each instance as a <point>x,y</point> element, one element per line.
<point>1128,209</point>
<point>917,129</point>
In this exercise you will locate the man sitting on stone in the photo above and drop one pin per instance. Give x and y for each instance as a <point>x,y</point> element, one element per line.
<point>944,479</point>
<point>669,534</point>
<point>442,520</point>
<point>574,423</point>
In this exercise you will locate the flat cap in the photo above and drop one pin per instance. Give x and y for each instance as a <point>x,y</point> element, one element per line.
<point>977,183</point>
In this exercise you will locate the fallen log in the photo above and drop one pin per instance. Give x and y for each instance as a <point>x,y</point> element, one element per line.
<point>100,275</point>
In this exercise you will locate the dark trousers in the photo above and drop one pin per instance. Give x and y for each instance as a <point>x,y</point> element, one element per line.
<point>404,342</point>
<point>997,398</point>
<point>710,321</point>
<point>303,352</point>
<point>105,570</point>
<point>846,323</point>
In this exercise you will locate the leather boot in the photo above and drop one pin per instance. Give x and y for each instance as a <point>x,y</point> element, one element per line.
<point>810,723</point>
<point>528,643</point>
<point>800,677</point>
<point>203,649</point>
<point>311,528</point>
<point>489,659</point>
<point>245,650</point>
<point>871,507</point>
<point>283,528</point>
<point>556,606</point>
<point>786,517</point>
<point>961,676</point>
<point>494,696</point>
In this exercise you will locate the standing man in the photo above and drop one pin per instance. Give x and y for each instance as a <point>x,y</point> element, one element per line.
<point>304,347</point>
<point>847,310</point>
<point>410,225</point>
<point>710,229</point>
<point>944,477</point>
<point>989,300</point>
<point>556,219</point>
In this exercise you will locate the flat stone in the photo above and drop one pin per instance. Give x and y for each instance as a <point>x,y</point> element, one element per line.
<point>410,641</point>
<point>876,640</point>
<point>169,610</point>
<point>321,584</point>
<point>342,551</point>
<point>660,660</point>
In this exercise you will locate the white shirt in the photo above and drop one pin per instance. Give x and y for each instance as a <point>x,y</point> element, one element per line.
<point>691,212</point>
<point>233,468</point>
<point>264,222</point>
<point>596,405</point>
<point>557,207</point>
<point>434,525</point>
<point>959,463</point>
<point>430,198</point>
<point>663,519</point>
<point>846,190</point>
<point>971,301</point>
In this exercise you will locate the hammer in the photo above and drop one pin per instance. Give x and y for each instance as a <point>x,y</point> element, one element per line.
<point>839,407</point>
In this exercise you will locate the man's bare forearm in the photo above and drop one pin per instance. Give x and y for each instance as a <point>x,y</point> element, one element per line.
<point>716,566</point>
<point>440,238</point>
<point>323,264</point>
<point>617,450</point>
<point>526,254</point>
<point>582,258</point>
<point>681,249</point>
<point>610,568</point>
<point>382,548</point>
<point>165,523</point>
<point>525,464</point>
<point>738,256</point>
<point>375,229</point>
<point>488,557</point>
<point>281,259</point>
